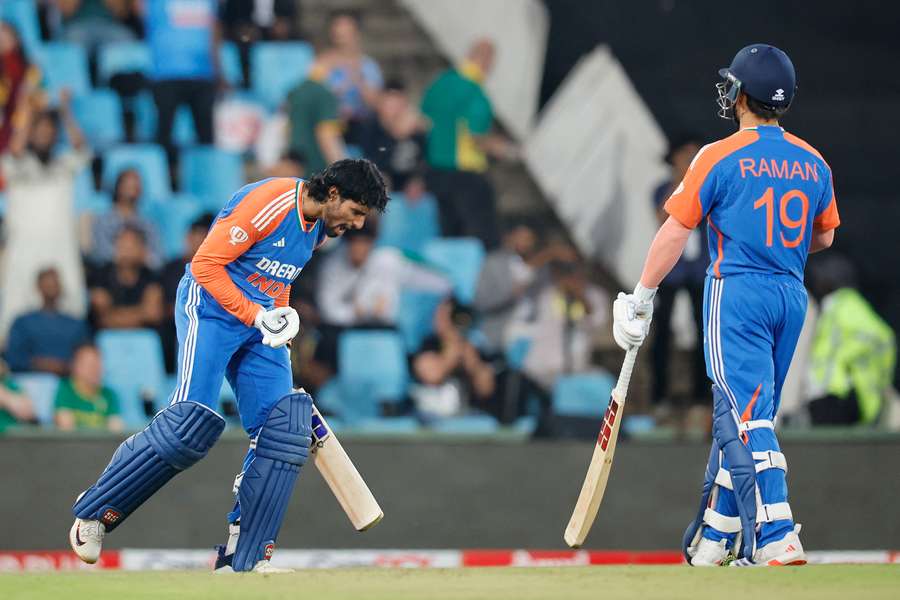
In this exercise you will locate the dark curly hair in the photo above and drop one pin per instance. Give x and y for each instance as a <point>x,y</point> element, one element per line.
<point>355,179</point>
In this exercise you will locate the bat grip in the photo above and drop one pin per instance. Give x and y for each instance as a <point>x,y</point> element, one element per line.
<point>625,374</point>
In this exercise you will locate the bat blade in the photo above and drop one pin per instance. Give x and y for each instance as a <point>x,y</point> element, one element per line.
<point>342,477</point>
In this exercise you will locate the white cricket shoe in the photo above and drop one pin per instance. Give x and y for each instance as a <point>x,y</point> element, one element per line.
<point>786,552</point>
<point>264,567</point>
<point>708,553</point>
<point>86,539</point>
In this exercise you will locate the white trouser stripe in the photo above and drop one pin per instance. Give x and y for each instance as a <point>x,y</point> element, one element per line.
<point>715,344</point>
<point>190,343</point>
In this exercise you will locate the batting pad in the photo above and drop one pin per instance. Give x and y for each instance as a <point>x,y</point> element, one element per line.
<point>281,448</point>
<point>176,438</point>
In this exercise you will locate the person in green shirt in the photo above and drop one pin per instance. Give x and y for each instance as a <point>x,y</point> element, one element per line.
<point>82,401</point>
<point>315,127</point>
<point>15,407</point>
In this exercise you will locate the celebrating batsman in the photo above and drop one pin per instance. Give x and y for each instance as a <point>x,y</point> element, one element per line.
<point>233,321</point>
<point>768,200</point>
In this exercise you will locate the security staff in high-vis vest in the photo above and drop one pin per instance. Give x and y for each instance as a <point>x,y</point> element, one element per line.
<point>767,199</point>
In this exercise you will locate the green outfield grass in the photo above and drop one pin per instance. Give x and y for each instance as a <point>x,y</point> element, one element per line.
<point>870,582</point>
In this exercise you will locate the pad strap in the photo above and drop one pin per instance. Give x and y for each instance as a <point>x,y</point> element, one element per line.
<point>766,513</point>
<point>767,460</point>
<point>757,424</point>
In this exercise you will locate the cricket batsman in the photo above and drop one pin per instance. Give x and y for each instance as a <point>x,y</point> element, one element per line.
<point>233,321</point>
<point>768,200</point>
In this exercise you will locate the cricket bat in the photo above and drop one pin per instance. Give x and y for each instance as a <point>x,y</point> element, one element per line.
<point>345,482</point>
<point>601,463</point>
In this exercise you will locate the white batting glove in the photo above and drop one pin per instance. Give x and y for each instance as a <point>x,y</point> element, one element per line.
<point>278,325</point>
<point>632,314</point>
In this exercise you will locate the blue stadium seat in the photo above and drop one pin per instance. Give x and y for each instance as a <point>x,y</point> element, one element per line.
<point>582,395</point>
<point>122,57</point>
<point>211,174</point>
<point>22,14</point>
<point>476,424</point>
<point>277,67</point>
<point>145,116</point>
<point>41,388</point>
<point>173,218</point>
<point>133,367</point>
<point>2,204</point>
<point>526,424</point>
<point>387,425</point>
<point>230,60</point>
<point>99,113</point>
<point>409,225</point>
<point>64,65</point>
<point>94,202</point>
<point>415,313</point>
<point>372,370</point>
<point>461,259</point>
<point>149,159</point>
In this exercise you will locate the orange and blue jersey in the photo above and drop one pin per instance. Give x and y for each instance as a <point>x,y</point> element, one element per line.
<point>762,191</point>
<point>258,244</point>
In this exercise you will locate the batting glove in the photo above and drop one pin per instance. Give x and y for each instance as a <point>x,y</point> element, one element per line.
<point>632,314</point>
<point>278,325</point>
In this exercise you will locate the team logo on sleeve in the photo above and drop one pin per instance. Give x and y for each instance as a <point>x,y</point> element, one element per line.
<point>238,235</point>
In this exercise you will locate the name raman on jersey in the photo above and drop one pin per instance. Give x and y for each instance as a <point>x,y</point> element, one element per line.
<point>770,167</point>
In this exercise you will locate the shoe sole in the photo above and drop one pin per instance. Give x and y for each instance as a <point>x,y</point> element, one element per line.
<point>794,563</point>
<point>73,543</point>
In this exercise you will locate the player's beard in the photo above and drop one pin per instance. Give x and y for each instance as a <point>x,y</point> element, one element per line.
<point>336,231</point>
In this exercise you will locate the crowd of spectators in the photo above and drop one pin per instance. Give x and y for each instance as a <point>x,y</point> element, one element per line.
<point>536,313</point>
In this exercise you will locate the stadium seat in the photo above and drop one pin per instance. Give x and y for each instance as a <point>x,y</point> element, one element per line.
<point>414,317</point>
<point>148,159</point>
<point>64,65</point>
<point>409,225</point>
<point>173,218</point>
<point>133,368</point>
<point>476,424</point>
<point>582,395</point>
<point>99,113</point>
<point>211,174</point>
<point>461,259</point>
<point>387,425</point>
<point>2,204</point>
<point>122,57</point>
<point>41,388</point>
<point>277,67</point>
<point>22,14</point>
<point>372,370</point>
<point>145,116</point>
<point>230,59</point>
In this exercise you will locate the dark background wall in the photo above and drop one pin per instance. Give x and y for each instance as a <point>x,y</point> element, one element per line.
<point>457,495</point>
<point>848,104</point>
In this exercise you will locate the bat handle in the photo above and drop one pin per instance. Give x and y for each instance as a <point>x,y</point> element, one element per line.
<point>625,374</point>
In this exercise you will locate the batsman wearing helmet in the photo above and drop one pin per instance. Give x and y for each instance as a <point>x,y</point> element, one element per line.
<point>234,321</point>
<point>768,201</point>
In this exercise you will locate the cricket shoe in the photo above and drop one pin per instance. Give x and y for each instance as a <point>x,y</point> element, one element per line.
<point>223,565</point>
<point>708,553</point>
<point>86,539</point>
<point>786,552</point>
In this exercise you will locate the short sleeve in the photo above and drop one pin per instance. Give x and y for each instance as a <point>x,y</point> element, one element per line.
<point>11,385</point>
<point>371,73</point>
<point>112,403</point>
<point>827,217</point>
<point>326,106</point>
<point>478,114</point>
<point>63,398</point>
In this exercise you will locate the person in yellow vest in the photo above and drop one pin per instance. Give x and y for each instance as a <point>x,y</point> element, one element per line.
<point>853,355</point>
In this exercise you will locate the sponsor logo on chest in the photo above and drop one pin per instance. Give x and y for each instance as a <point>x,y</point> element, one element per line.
<point>277,269</point>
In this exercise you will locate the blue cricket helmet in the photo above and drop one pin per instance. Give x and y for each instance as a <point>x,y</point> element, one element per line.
<point>761,71</point>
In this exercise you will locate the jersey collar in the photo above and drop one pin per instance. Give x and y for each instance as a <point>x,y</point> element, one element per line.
<point>306,227</point>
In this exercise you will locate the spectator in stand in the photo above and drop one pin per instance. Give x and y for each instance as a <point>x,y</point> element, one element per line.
<point>40,221</point>
<point>184,45</point>
<point>459,142</point>
<point>82,401</point>
<point>315,127</point>
<point>124,213</point>
<point>170,277</point>
<point>509,274</point>
<point>91,23</point>
<point>689,275</point>
<point>44,340</point>
<point>15,407</point>
<point>452,374</point>
<point>16,75</point>
<point>394,138</point>
<point>853,353</point>
<point>560,321</point>
<point>248,21</point>
<point>125,293</point>
<point>291,164</point>
<point>354,77</point>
